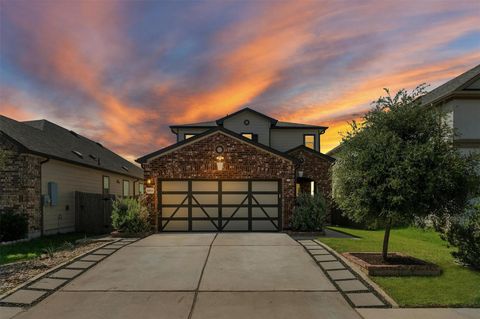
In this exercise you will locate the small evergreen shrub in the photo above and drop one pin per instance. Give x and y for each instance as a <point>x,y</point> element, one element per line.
<point>13,226</point>
<point>130,215</point>
<point>309,213</point>
<point>463,232</point>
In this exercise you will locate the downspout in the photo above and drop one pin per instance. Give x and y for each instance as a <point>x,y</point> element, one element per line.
<point>41,197</point>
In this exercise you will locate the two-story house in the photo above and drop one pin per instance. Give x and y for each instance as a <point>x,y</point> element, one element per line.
<point>241,172</point>
<point>460,99</point>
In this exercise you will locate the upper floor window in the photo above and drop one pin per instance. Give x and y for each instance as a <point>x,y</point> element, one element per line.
<point>106,184</point>
<point>126,188</point>
<point>251,136</point>
<point>309,141</point>
<point>187,136</point>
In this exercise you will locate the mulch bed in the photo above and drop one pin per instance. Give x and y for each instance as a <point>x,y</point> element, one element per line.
<point>14,274</point>
<point>397,264</point>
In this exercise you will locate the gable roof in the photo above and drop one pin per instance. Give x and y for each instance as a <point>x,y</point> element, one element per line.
<point>48,139</point>
<point>274,122</point>
<point>246,109</point>
<point>454,85</point>
<point>314,152</point>
<point>195,138</point>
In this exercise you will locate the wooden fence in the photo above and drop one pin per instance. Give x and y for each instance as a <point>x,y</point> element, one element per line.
<point>93,213</point>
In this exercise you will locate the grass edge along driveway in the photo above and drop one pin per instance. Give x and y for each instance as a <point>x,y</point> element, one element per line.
<point>34,248</point>
<point>458,286</point>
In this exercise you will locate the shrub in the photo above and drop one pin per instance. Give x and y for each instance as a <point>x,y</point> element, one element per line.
<point>309,213</point>
<point>130,215</point>
<point>13,226</point>
<point>463,232</point>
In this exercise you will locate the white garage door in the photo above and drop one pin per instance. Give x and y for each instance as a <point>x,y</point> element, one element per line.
<point>226,205</point>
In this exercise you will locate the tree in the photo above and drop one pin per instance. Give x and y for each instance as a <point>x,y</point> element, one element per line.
<point>400,163</point>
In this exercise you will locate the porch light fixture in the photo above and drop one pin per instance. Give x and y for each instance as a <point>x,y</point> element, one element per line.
<point>220,159</point>
<point>149,181</point>
<point>300,173</point>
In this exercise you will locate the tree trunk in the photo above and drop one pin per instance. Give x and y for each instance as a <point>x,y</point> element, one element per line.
<point>386,238</point>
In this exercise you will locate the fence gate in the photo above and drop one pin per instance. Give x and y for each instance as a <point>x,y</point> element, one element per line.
<point>93,213</point>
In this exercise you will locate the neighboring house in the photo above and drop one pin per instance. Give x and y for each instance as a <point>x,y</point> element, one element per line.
<point>46,164</point>
<point>460,99</point>
<point>239,173</point>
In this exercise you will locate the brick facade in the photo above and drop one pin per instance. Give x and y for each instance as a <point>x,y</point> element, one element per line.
<point>20,184</point>
<point>242,161</point>
<point>315,167</point>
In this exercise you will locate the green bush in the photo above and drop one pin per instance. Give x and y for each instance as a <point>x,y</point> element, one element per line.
<point>464,233</point>
<point>130,215</point>
<point>309,213</point>
<point>13,226</point>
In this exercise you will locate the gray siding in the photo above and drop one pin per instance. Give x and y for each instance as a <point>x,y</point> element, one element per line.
<point>71,178</point>
<point>286,139</point>
<point>258,125</point>
<point>183,131</point>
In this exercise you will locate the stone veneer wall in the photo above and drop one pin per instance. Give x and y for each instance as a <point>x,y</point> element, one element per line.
<point>20,184</point>
<point>242,161</point>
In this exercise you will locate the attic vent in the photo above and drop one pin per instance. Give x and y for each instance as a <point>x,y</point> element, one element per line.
<point>99,144</point>
<point>73,133</point>
<point>92,157</point>
<point>78,154</point>
<point>125,168</point>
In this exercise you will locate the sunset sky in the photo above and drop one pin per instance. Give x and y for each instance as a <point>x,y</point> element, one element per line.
<point>120,72</point>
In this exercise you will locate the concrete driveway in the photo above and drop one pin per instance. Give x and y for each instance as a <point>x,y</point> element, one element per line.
<point>200,276</point>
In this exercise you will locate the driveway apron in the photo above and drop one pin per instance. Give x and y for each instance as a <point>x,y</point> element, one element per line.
<point>200,276</point>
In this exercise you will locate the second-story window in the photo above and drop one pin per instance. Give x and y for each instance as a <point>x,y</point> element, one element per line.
<point>251,136</point>
<point>187,136</point>
<point>309,141</point>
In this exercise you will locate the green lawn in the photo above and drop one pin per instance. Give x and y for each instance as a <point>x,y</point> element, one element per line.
<point>34,247</point>
<point>457,286</point>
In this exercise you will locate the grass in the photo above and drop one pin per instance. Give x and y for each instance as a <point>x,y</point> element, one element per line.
<point>458,286</point>
<point>35,247</point>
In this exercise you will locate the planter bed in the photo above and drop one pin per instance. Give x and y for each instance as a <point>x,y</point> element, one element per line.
<point>398,264</point>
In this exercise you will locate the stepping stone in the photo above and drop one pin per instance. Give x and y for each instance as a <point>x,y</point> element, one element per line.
<point>9,312</point>
<point>318,247</point>
<point>365,299</point>
<point>103,251</point>
<point>66,273</point>
<point>113,246</point>
<point>330,265</point>
<point>48,283</point>
<point>351,285</point>
<point>306,242</point>
<point>319,252</point>
<point>24,296</point>
<point>93,258</point>
<point>325,258</point>
<point>130,240</point>
<point>340,274</point>
<point>81,264</point>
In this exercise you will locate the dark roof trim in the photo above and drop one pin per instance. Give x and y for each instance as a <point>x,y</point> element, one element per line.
<point>314,127</point>
<point>316,153</point>
<point>145,158</point>
<point>191,126</point>
<point>467,94</point>
<point>271,119</point>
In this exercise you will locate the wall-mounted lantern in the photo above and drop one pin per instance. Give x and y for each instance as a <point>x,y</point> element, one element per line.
<point>300,173</point>
<point>220,161</point>
<point>149,181</point>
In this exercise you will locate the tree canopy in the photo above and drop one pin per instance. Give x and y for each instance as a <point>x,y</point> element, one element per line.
<point>400,163</point>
